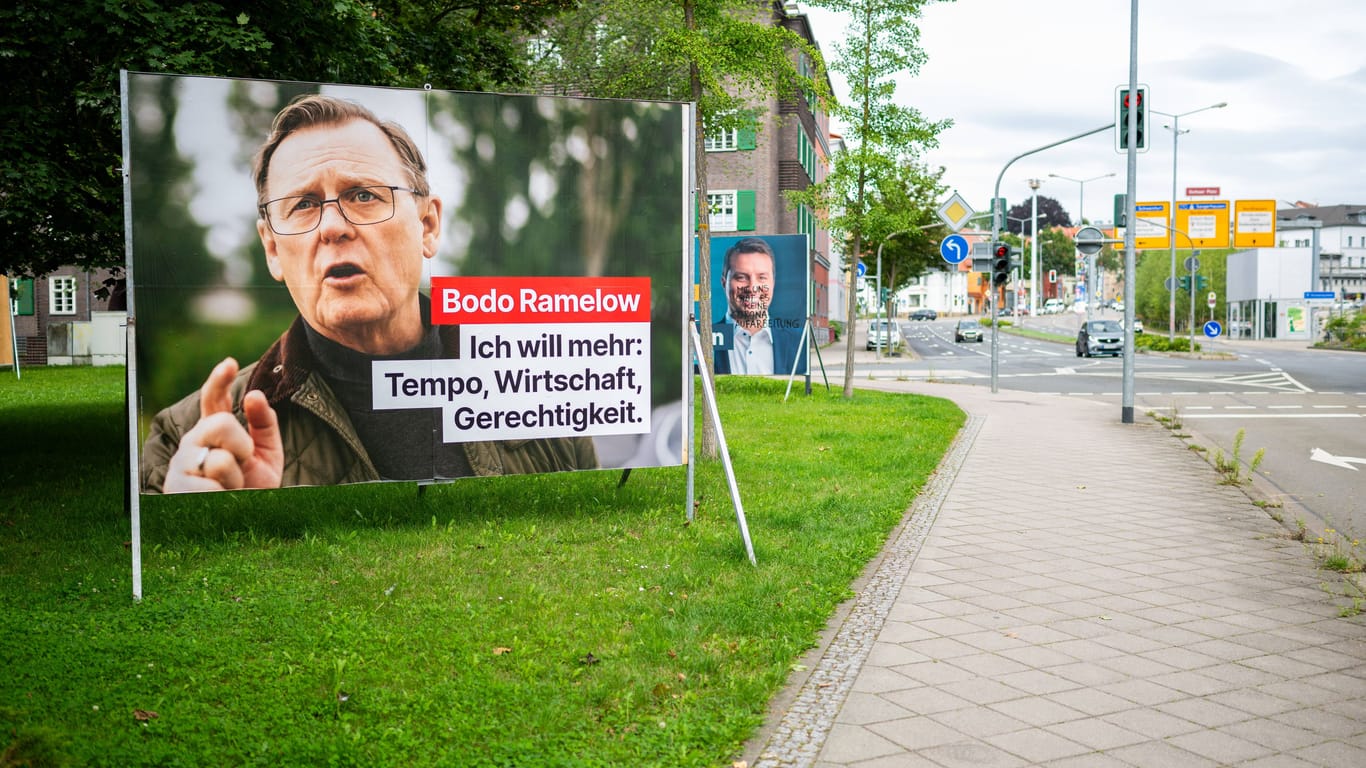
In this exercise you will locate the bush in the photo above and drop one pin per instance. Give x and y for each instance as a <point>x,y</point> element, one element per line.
<point>1156,343</point>
<point>836,330</point>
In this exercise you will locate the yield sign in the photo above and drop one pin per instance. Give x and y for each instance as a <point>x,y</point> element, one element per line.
<point>1346,462</point>
<point>955,212</point>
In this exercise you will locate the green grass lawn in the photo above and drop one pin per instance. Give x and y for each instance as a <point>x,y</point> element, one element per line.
<point>554,620</point>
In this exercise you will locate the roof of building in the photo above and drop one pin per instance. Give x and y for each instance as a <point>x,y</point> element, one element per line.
<point>1330,215</point>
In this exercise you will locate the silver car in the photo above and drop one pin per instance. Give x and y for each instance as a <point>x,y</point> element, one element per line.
<point>1100,337</point>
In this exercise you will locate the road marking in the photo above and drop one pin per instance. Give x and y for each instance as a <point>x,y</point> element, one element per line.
<point>1284,407</point>
<point>1240,407</point>
<point>1275,416</point>
<point>1346,462</point>
<point>1330,406</point>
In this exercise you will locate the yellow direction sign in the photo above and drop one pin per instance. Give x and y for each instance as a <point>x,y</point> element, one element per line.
<point>1151,229</point>
<point>1201,224</point>
<point>1254,224</point>
<point>955,212</point>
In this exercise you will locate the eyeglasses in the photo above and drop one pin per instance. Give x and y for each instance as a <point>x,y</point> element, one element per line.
<point>300,214</point>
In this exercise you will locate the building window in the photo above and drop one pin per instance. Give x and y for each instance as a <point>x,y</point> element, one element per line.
<point>725,140</point>
<point>61,295</point>
<point>722,208</point>
<point>732,210</point>
<point>806,153</point>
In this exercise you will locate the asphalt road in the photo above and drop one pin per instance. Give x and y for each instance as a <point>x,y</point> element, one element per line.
<point>1304,409</point>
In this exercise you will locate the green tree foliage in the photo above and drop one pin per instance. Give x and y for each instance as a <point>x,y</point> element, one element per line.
<point>906,199</point>
<point>1151,299</point>
<point>60,153</point>
<point>882,42</point>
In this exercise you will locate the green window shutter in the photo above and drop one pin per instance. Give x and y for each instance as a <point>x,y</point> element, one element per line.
<point>744,210</point>
<point>23,294</point>
<point>745,138</point>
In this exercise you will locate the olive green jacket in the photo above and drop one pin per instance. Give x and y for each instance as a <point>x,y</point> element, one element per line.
<point>320,445</point>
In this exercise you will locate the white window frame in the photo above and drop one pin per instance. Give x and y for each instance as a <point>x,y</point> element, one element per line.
<point>723,206</point>
<point>724,140</point>
<point>61,295</point>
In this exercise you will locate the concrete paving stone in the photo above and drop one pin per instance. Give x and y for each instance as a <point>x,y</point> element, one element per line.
<point>851,743</point>
<point>1255,702</point>
<point>1288,667</point>
<point>900,760</point>
<point>932,673</point>
<point>1275,736</point>
<point>1092,701</point>
<point>916,733</point>
<point>1087,628</point>
<point>942,648</point>
<point>1037,682</point>
<point>1352,709</point>
<point>1241,675</point>
<point>978,722</point>
<point>1084,649</point>
<point>1090,674</point>
<point>927,700</point>
<point>1139,665</point>
<point>1038,711</point>
<point>991,665</point>
<point>1220,746</point>
<point>885,654</point>
<point>1037,745</point>
<point>1153,754</point>
<point>1097,734</point>
<point>1324,722</point>
<point>1151,723</point>
<point>948,626</point>
<point>982,690</point>
<point>1038,656</point>
<point>994,639</point>
<point>972,754</point>
<point>1143,692</point>
<point>1169,615</point>
<point>1036,614</point>
<point>1180,657</point>
<point>1334,753</point>
<point>1271,642</point>
<point>1330,659</point>
<point>881,680</point>
<point>1278,761</point>
<point>1170,637</point>
<point>994,602</point>
<point>1193,683</point>
<point>1203,712</point>
<point>1302,693</point>
<point>1089,760</point>
<point>865,708</point>
<point>1213,628</point>
<point>894,631</point>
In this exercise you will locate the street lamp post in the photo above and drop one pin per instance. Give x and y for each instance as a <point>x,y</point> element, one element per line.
<point>1081,220</point>
<point>1034,247</point>
<point>1175,128</point>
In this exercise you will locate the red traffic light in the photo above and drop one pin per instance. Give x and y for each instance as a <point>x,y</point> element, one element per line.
<point>1002,251</point>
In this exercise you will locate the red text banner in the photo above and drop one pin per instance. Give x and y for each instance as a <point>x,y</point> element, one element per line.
<point>515,300</point>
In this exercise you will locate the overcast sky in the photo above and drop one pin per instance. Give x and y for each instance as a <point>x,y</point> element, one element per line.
<point>1014,75</point>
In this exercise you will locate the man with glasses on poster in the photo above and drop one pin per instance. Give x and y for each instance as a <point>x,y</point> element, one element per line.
<point>346,218</point>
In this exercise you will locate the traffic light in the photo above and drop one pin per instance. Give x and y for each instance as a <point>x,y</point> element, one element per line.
<point>1124,104</point>
<point>1201,283</point>
<point>1000,263</point>
<point>1185,283</point>
<point>1052,276</point>
<point>886,294</point>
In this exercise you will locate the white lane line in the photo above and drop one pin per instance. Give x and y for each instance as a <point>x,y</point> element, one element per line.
<point>1274,416</point>
<point>1330,406</point>
<point>1284,407</point>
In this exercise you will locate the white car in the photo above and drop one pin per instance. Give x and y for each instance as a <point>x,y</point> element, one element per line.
<point>883,334</point>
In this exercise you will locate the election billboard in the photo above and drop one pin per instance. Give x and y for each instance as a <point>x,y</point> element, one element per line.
<point>760,289</point>
<point>335,284</point>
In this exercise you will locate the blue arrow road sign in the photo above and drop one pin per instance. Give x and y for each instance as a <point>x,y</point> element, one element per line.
<point>862,269</point>
<point>1213,329</point>
<point>954,248</point>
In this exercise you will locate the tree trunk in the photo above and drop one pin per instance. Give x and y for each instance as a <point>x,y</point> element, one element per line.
<point>703,276</point>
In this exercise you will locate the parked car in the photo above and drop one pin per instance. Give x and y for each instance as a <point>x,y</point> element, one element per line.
<point>1052,306</point>
<point>924,314</point>
<point>1100,337</point>
<point>883,334</point>
<point>968,330</point>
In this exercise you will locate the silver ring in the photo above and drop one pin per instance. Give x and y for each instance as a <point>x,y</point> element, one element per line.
<point>203,457</point>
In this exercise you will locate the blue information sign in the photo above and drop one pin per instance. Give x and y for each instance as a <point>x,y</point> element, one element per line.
<point>1320,294</point>
<point>1213,329</point>
<point>954,248</point>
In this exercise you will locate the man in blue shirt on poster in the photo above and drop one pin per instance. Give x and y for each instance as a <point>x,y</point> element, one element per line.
<point>751,341</point>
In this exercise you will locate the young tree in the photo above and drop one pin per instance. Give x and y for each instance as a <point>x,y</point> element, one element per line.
<point>882,42</point>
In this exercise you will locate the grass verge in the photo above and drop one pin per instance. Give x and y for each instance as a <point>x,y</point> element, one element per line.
<point>529,621</point>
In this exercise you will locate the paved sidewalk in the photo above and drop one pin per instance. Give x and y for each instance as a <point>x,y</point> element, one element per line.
<point>1073,591</point>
